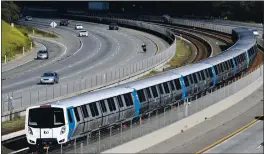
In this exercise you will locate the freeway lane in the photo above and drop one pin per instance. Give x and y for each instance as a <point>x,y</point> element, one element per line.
<point>92,54</point>
<point>247,141</point>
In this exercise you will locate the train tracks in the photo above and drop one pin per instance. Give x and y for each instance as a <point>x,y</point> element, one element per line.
<point>203,51</point>
<point>201,47</point>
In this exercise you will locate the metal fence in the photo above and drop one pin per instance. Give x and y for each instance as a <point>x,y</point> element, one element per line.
<point>106,138</point>
<point>113,75</point>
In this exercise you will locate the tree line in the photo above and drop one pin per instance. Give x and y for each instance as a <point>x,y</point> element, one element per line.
<point>231,10</point>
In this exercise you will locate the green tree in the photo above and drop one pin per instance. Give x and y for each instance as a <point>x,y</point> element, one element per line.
<point>10,11</point>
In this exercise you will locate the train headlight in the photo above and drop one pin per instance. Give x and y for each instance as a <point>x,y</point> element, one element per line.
<point>63,130</point>
<point>30,131</point>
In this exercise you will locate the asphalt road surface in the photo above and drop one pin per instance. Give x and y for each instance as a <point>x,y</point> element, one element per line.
<point>247,141</point>
<point>74,57</point>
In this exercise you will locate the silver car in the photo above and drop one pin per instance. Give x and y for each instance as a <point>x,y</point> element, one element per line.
<point>28,18</point>
<point>49,77</point>
<point>42,54</point>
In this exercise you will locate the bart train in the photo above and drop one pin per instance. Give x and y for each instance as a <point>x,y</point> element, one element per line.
<point>67,119</point>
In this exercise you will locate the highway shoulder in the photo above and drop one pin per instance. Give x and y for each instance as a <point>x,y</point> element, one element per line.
<point>215,128</point>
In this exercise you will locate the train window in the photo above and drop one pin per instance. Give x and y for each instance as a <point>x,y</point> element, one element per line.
<point>102,103</point>
<point>128,99</point>
<point>186,81</point>
<point>235,59</point>
<point>69,116</point>
<point>210,72</point>
<point>76,114</point>
<point>249,52</point>
<point>177,83</point>
<point>160,89</point>
<point>172,85</point>
<point>166,87</point>
<point>120,102</point>
<point>191,79</point>
<point>243,57</point>
<point>202,73</point>
<point>141,95</point>
<point>111,104</point>
<point>226,65</point>
<point>94,109</point>
<point>85,112</point>
<point>218,68</point>
<point>223,66</point>
<point>154,91</point>
<point>207,72</point>
<point>199,77</point>
<point>194,77</point>
<point>231,63</point>
<point>148,92</point>
<point>238,61</point>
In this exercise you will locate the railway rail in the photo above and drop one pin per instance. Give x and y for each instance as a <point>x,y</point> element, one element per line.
<point>203,51</point>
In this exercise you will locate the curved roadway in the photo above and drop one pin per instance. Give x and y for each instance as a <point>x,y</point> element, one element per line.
<point>74,57</point>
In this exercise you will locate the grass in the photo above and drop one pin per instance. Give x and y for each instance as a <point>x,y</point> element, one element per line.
<point>29,30</point>
<point>180,57</point>
<point>14,39</point>
<point>14,125</point>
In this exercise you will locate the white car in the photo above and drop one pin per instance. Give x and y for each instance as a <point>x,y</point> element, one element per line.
<point>256,33</point>
<point>78,26</point>
<point>83,33</point>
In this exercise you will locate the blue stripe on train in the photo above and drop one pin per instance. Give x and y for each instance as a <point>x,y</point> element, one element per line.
<point>72,124</point>
<point>233,60</point>
<point>246,53</point>
<point>214,75</point>
<point>183,87</point>
<point>136,102</point>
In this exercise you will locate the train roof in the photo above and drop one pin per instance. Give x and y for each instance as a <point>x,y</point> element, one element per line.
<point>162,77</point>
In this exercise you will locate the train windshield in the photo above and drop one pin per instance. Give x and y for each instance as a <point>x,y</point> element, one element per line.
<point>46,118</point>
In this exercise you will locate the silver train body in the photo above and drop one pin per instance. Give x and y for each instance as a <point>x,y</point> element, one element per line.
<point>60,122</point>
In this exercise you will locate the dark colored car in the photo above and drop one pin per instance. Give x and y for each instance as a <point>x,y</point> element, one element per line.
<point>113,26</point>
<point>64,22</point>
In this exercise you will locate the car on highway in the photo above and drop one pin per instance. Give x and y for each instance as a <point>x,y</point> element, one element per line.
<point>28,18</point>
<point>78,26</point>
<point>255,32</point>
<point>113,26</point>
<point>49,78</point>
<point>83,33</point>
<point>64,22</point>
<point>43,54</point>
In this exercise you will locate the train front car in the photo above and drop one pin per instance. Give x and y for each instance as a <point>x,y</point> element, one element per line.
<point>46,125</point>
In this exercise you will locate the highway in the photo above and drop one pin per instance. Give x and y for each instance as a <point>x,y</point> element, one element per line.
<point>215,128</point>
<point>247,141</point>
<point>73,57</point>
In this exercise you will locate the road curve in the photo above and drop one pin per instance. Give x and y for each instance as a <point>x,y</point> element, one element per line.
<point>81,56</point>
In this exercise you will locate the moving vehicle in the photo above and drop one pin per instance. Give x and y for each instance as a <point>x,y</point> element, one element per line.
<point>43,54</point>
<point>78,115</point>
<point>28,18</point>
<point>255,32</point>
<point>64,22</point>
<point>113,26</point>
<point>144,47</point>
<point>49,77</point>
<point>83,33</point>
<point>78,26</point>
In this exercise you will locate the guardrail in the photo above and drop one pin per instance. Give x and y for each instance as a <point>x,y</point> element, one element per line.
<point>114,75</point>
